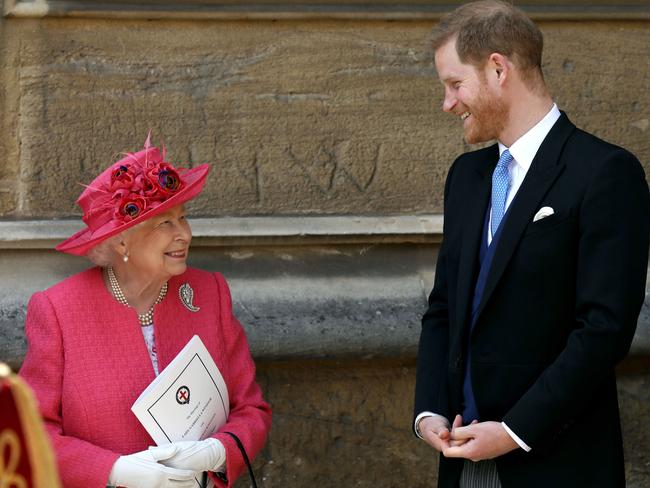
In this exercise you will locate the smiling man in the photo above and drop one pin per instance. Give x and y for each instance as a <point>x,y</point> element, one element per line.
<point>540,277</point>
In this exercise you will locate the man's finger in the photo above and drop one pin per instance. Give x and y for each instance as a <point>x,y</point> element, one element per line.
<point>437,425</point>
<point>435,441</point>
<point>458,442</point>
<point>463,433</point>
<point>444,433</point>
<point>457,451</point>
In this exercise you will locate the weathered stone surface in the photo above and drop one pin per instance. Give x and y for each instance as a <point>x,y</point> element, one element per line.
<point>9,103</point>
<point>296,117</point>
<point>12,332</point>
<point>7,197</point>
<point>600,75</point>
<point>343,424</point>
<point>295,120</point>
<point>634,398</point>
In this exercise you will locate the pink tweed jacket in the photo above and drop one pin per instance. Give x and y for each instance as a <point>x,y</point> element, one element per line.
<point>87,362</point>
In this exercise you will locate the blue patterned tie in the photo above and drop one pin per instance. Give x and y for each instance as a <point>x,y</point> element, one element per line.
<point>500,185</point>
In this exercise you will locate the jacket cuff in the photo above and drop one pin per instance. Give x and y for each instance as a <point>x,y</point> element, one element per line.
<point>516,438</point>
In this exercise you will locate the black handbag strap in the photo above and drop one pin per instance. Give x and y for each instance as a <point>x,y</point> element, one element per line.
<point>246,460</point>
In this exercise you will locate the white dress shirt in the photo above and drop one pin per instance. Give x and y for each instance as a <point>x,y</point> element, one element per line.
<point>523,151</point>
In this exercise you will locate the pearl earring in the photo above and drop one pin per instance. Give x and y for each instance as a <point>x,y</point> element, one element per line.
<point>125,258</point>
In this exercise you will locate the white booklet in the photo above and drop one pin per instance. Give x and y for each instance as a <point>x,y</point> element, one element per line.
<point>188,400</point>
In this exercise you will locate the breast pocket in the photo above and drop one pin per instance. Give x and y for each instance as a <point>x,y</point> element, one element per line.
<point>547,249</point>
<point>548,223</point>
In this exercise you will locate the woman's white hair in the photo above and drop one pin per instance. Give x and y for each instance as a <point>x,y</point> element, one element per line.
<point>104,254</point>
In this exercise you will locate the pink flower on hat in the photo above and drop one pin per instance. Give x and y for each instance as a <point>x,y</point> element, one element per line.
<point>148,189</point>
<point>122,177</point>
<point>164,177</point>
<point>130,207</point>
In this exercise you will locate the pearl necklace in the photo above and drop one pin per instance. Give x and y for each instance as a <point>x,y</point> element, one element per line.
<point>145,318</point>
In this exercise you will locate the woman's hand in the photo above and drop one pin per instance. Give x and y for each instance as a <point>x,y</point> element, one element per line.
<point>206,455</point>
<point>143,470</point>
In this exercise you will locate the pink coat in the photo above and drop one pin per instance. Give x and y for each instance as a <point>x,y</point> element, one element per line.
<point>87,362</point>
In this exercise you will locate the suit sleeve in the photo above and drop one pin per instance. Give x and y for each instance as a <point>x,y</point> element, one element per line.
<point>433,348</point>
<point>80,463</point>
<point>250,415</point>
<point>612,259</point>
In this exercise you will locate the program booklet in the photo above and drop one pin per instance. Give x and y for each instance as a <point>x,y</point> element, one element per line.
<point>188,400</point>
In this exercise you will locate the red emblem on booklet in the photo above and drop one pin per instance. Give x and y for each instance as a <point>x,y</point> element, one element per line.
<point>183,395</point>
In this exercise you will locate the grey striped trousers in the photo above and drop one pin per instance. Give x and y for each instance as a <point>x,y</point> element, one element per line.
<point>482,474</point>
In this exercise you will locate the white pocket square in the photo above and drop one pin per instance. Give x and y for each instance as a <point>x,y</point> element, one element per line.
<point>542,213</point>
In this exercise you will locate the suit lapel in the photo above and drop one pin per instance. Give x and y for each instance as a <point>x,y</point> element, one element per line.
<point>543,171</point>
<point>478,198</point>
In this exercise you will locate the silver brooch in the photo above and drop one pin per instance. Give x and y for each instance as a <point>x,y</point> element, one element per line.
<point>186,295</point>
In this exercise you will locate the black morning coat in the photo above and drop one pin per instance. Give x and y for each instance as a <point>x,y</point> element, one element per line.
<point>558,312</point>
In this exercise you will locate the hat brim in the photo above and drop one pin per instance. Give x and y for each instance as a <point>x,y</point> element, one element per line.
<point>81,242</point>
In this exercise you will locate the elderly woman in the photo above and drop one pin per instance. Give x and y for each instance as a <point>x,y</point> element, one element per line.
<point>96,340</point>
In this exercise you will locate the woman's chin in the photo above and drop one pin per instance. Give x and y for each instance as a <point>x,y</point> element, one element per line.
<point>177,268</point>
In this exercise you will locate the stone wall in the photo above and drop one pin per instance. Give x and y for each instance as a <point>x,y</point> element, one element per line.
<point>298,118</point>
<point>316,117</point>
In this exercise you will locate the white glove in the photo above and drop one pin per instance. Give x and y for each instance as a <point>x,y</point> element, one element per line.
<point>206,455</point>
<point>142,470</point>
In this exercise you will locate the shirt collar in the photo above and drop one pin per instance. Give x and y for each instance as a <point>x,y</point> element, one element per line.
<point>524,149</point>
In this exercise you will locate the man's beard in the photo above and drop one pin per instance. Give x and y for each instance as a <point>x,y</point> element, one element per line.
<point>489,116</point>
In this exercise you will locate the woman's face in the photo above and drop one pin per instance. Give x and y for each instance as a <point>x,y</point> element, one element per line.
<point>158,247</point>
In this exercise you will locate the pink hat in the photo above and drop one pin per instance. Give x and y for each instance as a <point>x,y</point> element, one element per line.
<point>131,191</point>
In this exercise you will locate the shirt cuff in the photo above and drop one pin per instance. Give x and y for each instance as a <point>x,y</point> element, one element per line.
<point>516,438</point>
<point>417,421</point>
